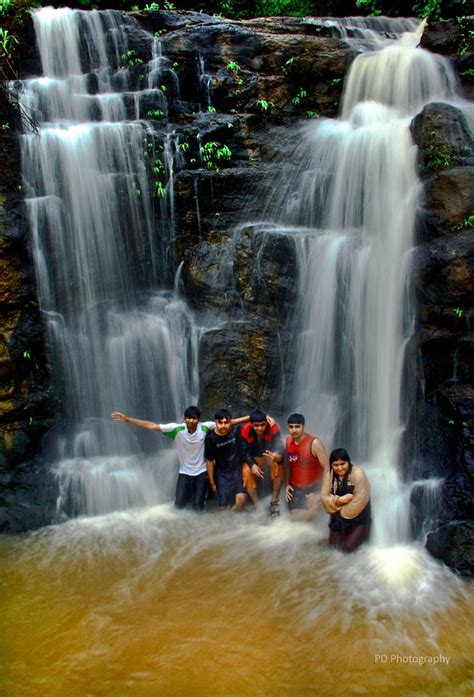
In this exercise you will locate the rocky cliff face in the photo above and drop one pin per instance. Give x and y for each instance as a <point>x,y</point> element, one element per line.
<point>260,79</point>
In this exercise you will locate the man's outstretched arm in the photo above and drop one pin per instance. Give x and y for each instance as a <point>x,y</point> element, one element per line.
<point>148,425</point>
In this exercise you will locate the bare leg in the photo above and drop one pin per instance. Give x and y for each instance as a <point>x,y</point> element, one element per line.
<point>252,494</point>
<point>239,504</point>
<point>276,487</point>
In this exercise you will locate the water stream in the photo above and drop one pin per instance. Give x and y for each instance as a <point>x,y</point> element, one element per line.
<point>352,206</point>
<point>128,596</point>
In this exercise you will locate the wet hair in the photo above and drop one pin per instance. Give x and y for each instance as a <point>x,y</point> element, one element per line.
<point>340,454</point>
<point>257,415</point>
<point>222,414</point>
<point>192,413</point>
<point>296,419</point>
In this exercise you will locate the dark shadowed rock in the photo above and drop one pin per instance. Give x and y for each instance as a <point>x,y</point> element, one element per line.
<point>453,544</point>
<point>240,364</point>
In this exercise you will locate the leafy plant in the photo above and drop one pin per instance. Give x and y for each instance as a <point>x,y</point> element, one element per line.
<point>131,60</point>
<point>264,105</point>
<point>155,113</point>
<point>5,6</point>
<point>302,94</point>
<point>459,312</point>
<point>214,154</point>
<point>467,37</point>
<point>233,67</point>
<point>429,8</point>
<point>160,190</point>
<point>7,41</point>
<point>440,161</point>
<point>211,109</point>
<point>465,225</point>
<point>371,7</point>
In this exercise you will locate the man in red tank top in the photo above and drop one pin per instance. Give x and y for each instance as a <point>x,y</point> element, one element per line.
<point>306,462</point>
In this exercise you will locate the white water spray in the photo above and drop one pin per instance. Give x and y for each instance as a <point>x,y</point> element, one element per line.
<point>102,242</point>
<point>355,204</point>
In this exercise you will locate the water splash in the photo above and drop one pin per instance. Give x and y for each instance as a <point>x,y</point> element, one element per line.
<point>99,192</point>
<point>353,210</point>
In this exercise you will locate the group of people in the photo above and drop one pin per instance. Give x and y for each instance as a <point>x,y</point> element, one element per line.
<point>246,458</point>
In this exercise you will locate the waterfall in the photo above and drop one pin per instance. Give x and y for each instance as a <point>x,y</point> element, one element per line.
<point>102,239</point>
<point>353,210</point>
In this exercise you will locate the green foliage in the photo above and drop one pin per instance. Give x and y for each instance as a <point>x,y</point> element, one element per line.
<point>263,104</point>
<point>429,8</point>
<point>370,7</point>
<point>160,190</point>
<point>131,60</point>
<point>7,41</point>
<point>459,312</point>
<point>286,8</point>
<point>442,160</point>
<point>211,109</point>
<point>214,154</point>
<point>302,94</point>
<point>467,36</point>
<point>5,6</point>
<point>233,67</point>
<point>465,225</point>
<point>155,113</point>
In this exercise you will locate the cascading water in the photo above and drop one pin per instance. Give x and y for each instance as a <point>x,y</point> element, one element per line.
<point>149,601</point>
<point>102,243</point>
<point>357,199</point>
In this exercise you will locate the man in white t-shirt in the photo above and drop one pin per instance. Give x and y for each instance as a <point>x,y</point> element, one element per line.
<point>193,481</point>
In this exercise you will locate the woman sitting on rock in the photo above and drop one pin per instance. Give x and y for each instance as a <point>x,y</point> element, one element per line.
<point>345,495</point>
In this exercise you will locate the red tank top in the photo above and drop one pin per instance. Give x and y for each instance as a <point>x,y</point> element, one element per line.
<point>305,468</point>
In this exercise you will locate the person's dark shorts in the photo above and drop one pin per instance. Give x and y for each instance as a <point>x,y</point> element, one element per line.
<point>228,485</point>
<point>299,500</point>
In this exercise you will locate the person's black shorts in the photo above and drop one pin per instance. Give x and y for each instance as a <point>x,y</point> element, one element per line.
<point>228,485</point>
<point>300,493</point>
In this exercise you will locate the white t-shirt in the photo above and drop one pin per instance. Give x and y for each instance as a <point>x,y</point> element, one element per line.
<point>190,446</point>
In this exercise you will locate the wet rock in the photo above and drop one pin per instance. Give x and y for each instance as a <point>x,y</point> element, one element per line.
<point>451,196</point>
<point>240,365</point>
<point>444,271</point>
<point>442,37</point>
<point>453,543</point>
<point>28,498</point>
<point>266,271</point>
<point>443,137</point>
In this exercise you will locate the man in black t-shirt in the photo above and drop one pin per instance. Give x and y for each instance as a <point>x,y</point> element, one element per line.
<point>223,454</point>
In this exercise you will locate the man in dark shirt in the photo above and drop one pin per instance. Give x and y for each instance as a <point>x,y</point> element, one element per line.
<point>263,453</point>
<point>223,454</point>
